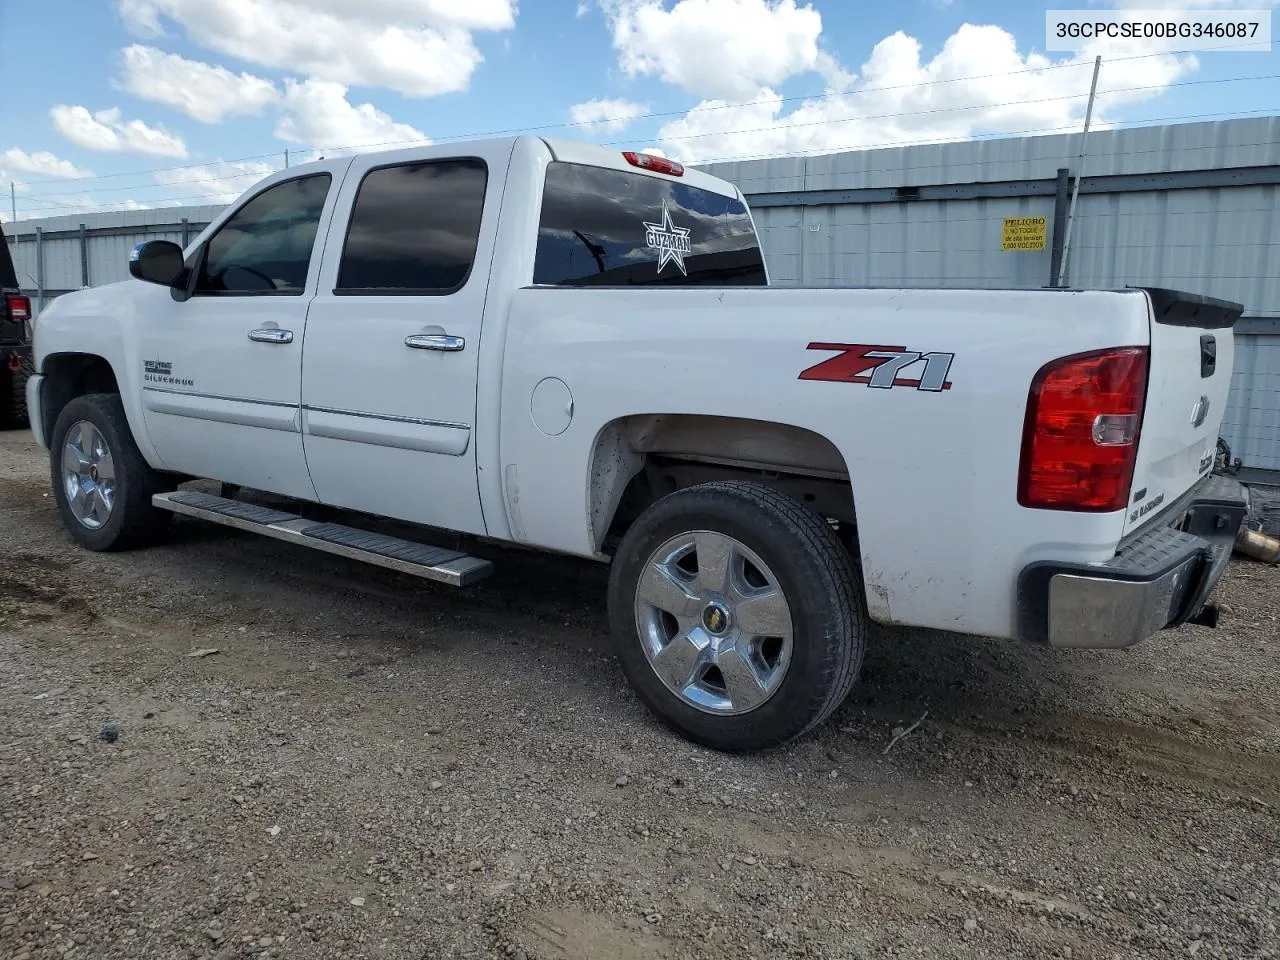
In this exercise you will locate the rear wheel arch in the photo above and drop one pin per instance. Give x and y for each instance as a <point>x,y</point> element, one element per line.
<point>638,459</point>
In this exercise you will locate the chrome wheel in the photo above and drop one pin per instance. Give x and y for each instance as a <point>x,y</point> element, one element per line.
<point>88,474</point>
<point>714,623</point>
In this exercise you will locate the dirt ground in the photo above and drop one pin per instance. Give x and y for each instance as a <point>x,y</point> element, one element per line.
<point>375,767</point>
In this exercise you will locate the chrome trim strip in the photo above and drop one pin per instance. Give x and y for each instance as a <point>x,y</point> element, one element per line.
<point>404,433</point>
<point>266,414</point>
<point>388,416</point>
<point>219,396</point>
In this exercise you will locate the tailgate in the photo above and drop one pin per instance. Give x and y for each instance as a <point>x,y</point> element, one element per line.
<point>1190,374</point>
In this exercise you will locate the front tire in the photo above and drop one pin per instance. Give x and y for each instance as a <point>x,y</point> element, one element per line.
<point>737,615</point>
<point>101,483</point>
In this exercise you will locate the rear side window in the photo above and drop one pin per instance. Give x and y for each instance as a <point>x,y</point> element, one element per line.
<point>265,246</point>
<point>612,228</point>
<point>414,228</point>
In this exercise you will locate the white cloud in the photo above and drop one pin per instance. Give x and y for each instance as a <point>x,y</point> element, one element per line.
<point>716,48</point>
<point>44,163</point>
<point>417,47</point>
<point>582,10</point>
<point>106,131</point>
<point>203,91</point>
<point>318,114</point>
<point>219,182</point>
<point>609,116</point>
<point>901,98</point>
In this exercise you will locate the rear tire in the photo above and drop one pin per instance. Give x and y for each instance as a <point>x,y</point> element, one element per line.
<point>92,436</point>
<point>790,608</point>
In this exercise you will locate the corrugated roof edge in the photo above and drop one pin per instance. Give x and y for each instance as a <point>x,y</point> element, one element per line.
<point>1242,142</point>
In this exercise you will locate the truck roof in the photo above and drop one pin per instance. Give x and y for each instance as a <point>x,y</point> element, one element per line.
<point>574,151</point>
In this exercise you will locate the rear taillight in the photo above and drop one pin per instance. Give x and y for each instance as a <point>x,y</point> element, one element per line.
<point>19,307</point>
<point>647,161</point>
<point>1080,440</point>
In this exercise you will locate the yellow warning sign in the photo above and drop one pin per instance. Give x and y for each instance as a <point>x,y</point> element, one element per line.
<point>1023,233</point>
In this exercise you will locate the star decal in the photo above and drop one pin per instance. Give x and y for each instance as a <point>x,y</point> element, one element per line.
<point>671,242</point>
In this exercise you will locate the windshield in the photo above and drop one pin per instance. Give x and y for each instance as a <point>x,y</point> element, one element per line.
<point>603,227</point>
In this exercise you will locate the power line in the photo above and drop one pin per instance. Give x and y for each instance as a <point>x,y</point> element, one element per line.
<point>1085,65</point>
<point>43,200</point>
<point>1065,65</point>
<point>764,129</point>
<point>978,138</point>
<point>921,113</point>
<point>175,183</point>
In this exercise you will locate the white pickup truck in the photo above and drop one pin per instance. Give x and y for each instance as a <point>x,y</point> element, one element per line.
<point>554,345</point>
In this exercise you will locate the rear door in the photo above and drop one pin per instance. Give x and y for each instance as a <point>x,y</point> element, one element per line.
<point>393,337</point>
<point>1190,374</point>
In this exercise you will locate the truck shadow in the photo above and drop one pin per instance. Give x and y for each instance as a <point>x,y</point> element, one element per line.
<point>559,602</point>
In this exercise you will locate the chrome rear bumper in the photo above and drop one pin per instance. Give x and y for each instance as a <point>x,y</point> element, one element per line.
<point>1160,579</point>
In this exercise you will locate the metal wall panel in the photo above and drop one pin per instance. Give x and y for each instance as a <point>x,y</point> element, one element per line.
<point>1251,423</point>
<point>1157,149</point>
<point>109,239</point>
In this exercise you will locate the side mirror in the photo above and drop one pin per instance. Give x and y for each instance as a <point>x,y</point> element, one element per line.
<point>156,261</point>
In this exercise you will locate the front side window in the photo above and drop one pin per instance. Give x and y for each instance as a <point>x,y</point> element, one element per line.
<point>414,228</point>
<point>602,227</point>
<point>265,247</point>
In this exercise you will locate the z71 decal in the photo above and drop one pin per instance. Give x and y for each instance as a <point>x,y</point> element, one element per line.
<point>881,367</point>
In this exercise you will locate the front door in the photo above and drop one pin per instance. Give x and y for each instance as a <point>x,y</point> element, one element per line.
<point>222,370</point>
<point>393,336</point>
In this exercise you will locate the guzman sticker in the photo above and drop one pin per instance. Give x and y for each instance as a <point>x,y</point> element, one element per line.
<point>671,242</point>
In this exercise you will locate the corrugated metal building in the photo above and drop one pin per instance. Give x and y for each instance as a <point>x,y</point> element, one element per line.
<point>90,249</point>
<point>1191,206</point>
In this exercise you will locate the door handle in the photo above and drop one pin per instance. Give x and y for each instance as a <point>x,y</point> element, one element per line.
<point>271,336</point>
<point>435,341</point>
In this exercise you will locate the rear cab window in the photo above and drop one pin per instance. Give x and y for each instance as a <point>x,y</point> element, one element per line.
<point>414,229</point>
<point>602,227</point>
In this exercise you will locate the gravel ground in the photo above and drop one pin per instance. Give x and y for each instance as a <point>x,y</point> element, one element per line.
<point>373,766</point>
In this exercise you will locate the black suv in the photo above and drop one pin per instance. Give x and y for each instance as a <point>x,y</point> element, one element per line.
<point>15,343</point>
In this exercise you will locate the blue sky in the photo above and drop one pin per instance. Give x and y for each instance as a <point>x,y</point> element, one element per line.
<point>112,105</point>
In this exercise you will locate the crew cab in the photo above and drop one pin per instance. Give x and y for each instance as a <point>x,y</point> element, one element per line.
<point>558,346</point>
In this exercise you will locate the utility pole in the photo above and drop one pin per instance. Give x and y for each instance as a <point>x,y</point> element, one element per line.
<point>13,200</point>
<point>286,158</point>
<point>1075,189</point>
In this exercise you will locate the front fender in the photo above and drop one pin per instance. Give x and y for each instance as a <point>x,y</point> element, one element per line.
<point>102,322</point>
